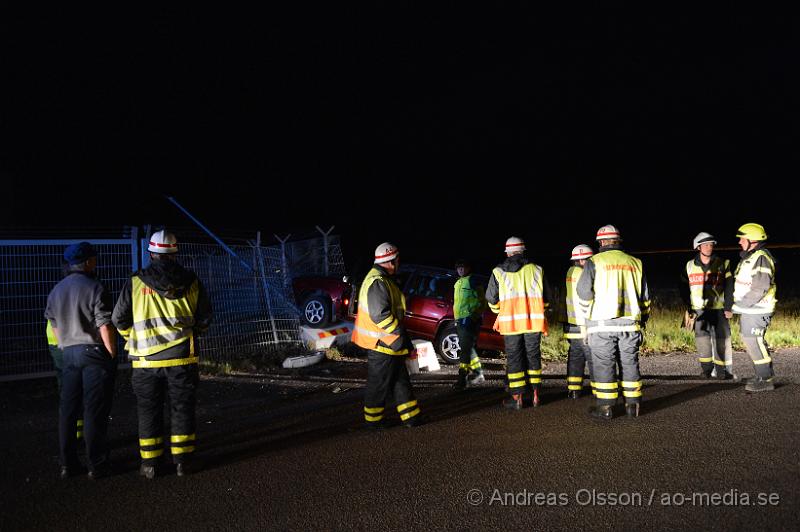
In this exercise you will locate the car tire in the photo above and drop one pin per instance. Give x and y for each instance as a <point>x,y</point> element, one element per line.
<point>315,312</point>
<point>446,344</point>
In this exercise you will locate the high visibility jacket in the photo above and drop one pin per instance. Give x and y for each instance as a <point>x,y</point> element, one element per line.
<point>618,297</point>
<point>574,311</point>
<point>160,323</point>
<point>755,275</point>
<point>389,331</point>
<point>51,337</point>
<point>707,288</point>
<point>520,306</point>
<point>467,300</point>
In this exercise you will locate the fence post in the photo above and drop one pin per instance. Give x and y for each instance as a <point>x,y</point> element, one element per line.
<point>134,248</point>
<point>284,263</point>
<point>325,246</point>
<point>262,271</point>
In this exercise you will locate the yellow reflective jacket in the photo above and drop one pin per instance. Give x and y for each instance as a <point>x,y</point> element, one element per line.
<point>381,312</point>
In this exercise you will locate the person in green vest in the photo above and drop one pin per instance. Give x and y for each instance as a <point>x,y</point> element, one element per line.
<point>708,295</point>
<point>754,300</point>
<point>468,306</point>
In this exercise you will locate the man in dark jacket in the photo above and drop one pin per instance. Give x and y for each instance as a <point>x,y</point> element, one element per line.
<point>79,312</point>
<point>160,311</point>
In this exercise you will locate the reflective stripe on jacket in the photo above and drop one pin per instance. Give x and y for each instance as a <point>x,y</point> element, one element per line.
<point>51,337</point>
<point>521,304</point>
<point>707,288</point>
<point>160,323</point>
<point>620,300</point>
<point>367,333</point>
<point>759,263</point>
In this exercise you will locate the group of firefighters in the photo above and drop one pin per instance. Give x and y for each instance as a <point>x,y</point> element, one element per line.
<point>607,307</point>
<point>163,307</point>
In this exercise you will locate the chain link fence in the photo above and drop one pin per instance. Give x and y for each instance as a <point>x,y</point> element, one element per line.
<point>251,295</point>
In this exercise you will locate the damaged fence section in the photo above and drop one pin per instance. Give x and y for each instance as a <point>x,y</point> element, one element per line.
<point>251,295</point>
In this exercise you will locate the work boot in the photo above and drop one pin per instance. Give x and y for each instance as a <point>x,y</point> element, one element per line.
<point>759,384</point>
<point>99,472</point>
<point>601,412</point>
<point>476,379</point>
<point>573,394</point>
<point>705,374</point>
<point>64,473</point>
<point>514,402</point>
<point>147,471</point>
<point>632,409</point>
<point>723,375</point>
<point>461,382</point>
<point>535,398</point>
<point>415,421</point>
<point>185,468</point>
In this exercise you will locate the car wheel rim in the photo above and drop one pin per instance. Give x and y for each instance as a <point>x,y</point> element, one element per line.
<point>314,312</point>
<point>450,346</point>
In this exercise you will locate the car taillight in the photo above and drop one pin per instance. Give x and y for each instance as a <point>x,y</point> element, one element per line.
<point>346,302</point>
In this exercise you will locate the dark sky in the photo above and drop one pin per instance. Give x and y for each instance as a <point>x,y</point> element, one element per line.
<point>445,130</point>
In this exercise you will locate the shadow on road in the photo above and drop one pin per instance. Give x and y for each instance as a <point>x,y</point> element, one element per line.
<point>688,394</point>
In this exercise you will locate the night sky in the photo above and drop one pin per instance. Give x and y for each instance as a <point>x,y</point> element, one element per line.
<point>444,130</point>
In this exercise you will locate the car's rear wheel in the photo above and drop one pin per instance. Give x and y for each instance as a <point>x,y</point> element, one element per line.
<point>447,346</point>
<point>315,311</point>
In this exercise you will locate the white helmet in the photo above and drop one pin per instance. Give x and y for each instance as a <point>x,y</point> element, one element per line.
<point>703,238</point>
<point>515,244</point>
<point>608,232</point>
<point>163,242</point>
<point>385,252</point>
<point>581,251</point>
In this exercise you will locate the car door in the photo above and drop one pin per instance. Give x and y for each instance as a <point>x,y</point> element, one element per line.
<point>429,299</point>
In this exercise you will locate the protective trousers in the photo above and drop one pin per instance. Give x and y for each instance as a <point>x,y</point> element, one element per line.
<point>712,336</point>
<point>523,361</point>
<point>467,331</point>
<point>152,386</point>
<point>607,348</point>
<point>387,375</point>
<point>578,356</point>
<point>87,389</point>
<point>754,328</point>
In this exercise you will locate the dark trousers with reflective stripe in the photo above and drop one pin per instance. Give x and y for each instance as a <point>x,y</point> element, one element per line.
<point>152,387</point>
<point>523,361</point>
<point>87,389</point>
<point>712,338</point>
<point>467,336</point>
<point>754,328</point>
<point>608,348</point>
<point>387,376</point>
<point>578,357</point>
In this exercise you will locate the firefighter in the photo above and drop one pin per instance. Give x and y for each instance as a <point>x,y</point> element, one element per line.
<point>709,297</point>
<point>79,311</point>
<point>613,290</point>
<point>468,307</point>
<point>519,294</point>
<point>579,354</point>
<point>379,328</point>
<point>754,299</point>
<point>160,311</point>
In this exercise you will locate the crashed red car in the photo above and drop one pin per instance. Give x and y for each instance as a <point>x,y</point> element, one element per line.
<point>429,307</point>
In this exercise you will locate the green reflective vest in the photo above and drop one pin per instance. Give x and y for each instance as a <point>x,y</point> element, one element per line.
<point>744,278</point>
<point>574,315</point>
<point>159,322</point>
<point>467,301</point>
<point>617,288</point>
<point>707,288</point>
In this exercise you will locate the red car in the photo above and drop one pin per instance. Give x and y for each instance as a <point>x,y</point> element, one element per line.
<point>429,307</point>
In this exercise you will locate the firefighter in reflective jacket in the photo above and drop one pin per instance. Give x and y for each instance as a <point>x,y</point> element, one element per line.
<point>160,311</point>
<point>379,329</point>
<point>709,296</point>
<point>519,294</point>
<point>579,354</point>
<point>754,299</point>
<point>614,293</point>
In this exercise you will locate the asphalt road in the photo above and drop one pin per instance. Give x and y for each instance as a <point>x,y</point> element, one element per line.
<point>283,454</point>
